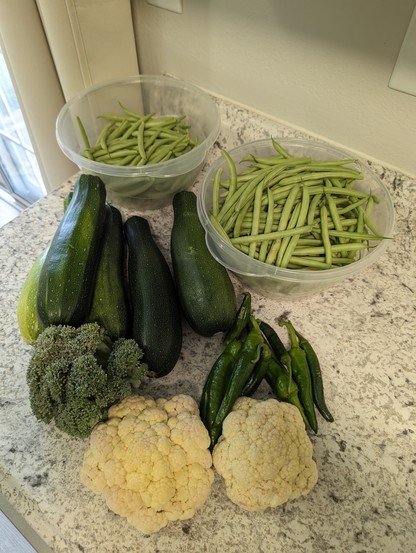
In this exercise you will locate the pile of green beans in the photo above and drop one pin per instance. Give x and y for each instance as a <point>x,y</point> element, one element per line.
<point>253,352</point>
<point>134,139</point>
<point>294,212</point>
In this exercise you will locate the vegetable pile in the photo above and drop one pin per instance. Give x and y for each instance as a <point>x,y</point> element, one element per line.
<point>135,139</point>
<point>294,212</point>
<point>104,311</point>
<point>253,352</point>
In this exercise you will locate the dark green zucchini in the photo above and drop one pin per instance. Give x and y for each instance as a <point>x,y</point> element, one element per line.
<point>109,306</point>
<point>66,281</point>
<point>156,314</point>
<point>205,290</point>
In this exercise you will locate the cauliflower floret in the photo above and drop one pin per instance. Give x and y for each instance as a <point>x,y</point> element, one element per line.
<point>264,454</point>
<point>150,461</point>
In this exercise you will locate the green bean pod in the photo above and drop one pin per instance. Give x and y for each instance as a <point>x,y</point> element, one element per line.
<point>316,378</point>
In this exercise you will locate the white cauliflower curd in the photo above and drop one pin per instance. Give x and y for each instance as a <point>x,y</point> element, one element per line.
<point>150,461</point>
<point>264,454</point>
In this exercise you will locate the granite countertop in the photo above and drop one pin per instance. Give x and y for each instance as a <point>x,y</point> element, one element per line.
<point>364,333</point>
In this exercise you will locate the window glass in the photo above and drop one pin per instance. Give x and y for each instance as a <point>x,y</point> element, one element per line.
<point>20,177</point>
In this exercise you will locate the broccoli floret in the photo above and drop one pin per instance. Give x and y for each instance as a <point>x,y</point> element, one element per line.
<point>76,374</point>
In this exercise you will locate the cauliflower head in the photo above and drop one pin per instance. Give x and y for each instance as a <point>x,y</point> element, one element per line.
<point>150,460</point>
<point>264,454</point>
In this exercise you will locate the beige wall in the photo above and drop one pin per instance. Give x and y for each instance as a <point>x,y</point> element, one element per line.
<point>319,65</point>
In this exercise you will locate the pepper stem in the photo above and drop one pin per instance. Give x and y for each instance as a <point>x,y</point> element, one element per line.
<point>292,333</point>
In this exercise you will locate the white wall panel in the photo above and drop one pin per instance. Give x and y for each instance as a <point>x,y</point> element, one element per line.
<point>323,65</point>
<point>90,41</point>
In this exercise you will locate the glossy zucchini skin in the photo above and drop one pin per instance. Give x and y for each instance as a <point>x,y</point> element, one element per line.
<point>109,307</point>
<point>66,281</point>
<point>27,316</point>
<point>205,290</point>
<point>156,314</point>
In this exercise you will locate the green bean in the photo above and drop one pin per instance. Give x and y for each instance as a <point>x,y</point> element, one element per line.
<point>114,147</point>
<point>104,134</point>
<point>285,241</point>
<point>115,118</point>
<point>309,242</point>
<point>215,192</point>
<point>320,175</point>
<point>230,222</point>
<point>274,160</point>
<point>369,223</point>
<point>347,192</point>
<point>240,218</point>
<point>156,146</point>
<point>87,154</point>
<point>233,172</point>
<point>312,208</point>
<point>268,226</point>
<point>318,250</point>
<point>256,217</point>
<point>308,262</point>
<point>131,129</point>
<point>132,114</point>
<point>356,235</point>
<point>219,229</point>
<point>140,140</point>
<point>83,133</point>
<point>284,219</point>
<point>117,154</point>
<point>319,261</point>
<point>249,190</point>
<point>325,234</point>
<point>351,206</point>
<point>118,130</point>
<point>276,174</point>
<point>144,129</point>
<point>294,240</point>
<point>279,148</point>
<point>269,236</point>
<point>262,208</point>
<point>336,219</point>
<point>127,160</point>
<point>167,122</point>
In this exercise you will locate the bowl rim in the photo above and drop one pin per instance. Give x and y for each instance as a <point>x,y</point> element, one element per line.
<point>281,273</point>
<point>163,169</point>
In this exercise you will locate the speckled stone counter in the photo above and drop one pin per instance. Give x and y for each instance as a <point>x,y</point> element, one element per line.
<point>364,333</point>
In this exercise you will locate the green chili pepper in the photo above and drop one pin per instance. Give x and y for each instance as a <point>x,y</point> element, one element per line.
<point>279,372</point>
<point>272,337</point>
<point>258,373</point>
<point>216,383</point>
<point>301,374</point>
<point>280,380</point>
<point>242,368</point>
<point>316,377</point>
<point>241,320</point>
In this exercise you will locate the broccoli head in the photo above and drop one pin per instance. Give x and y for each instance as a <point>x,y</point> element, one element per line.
<point>76,373</point>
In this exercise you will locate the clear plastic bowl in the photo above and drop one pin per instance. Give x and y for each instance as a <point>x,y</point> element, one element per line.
<point>148,186</point>
<point>281,283</point>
